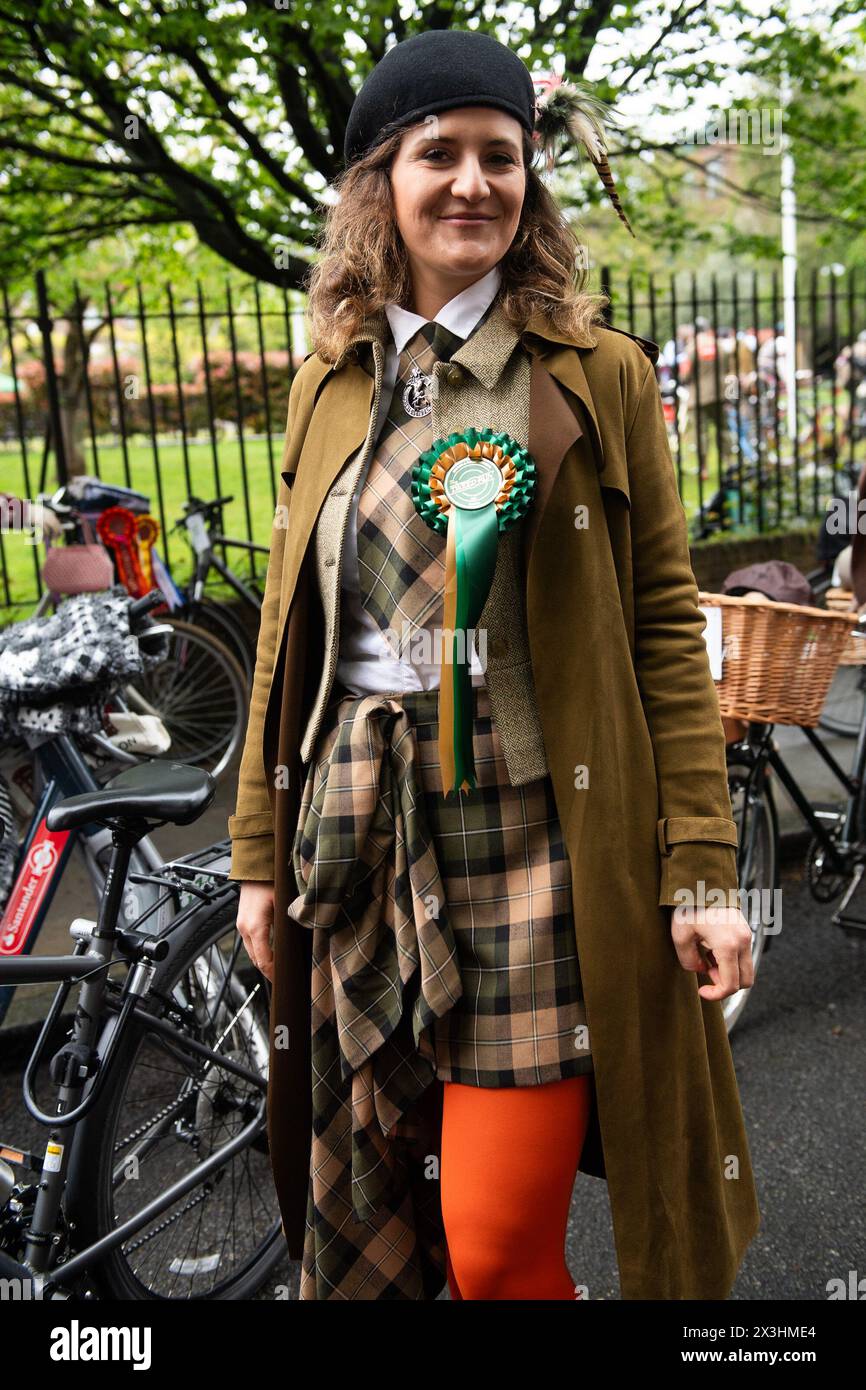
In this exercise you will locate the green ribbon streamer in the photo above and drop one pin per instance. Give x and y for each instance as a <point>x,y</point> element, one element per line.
<point>476,538</point>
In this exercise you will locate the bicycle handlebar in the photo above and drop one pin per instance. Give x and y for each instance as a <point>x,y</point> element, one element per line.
<point>209,511</point>
<point>140,607</point>
<point>195,504</point>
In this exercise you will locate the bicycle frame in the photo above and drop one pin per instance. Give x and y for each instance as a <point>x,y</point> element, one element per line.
<point>82,1064</point>
<point>761,753</point>
<point>206,560</point>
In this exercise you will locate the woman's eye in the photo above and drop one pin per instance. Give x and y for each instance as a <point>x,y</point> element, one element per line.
<point>506,157</point>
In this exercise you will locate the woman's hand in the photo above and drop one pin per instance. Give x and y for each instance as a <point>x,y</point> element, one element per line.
<point>255,919</point>
<point>726,937</point>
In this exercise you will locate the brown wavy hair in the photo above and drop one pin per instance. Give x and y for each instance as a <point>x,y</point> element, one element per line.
<point>363,264</point>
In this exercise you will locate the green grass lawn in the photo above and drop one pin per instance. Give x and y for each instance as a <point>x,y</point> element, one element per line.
<point>248,517</point>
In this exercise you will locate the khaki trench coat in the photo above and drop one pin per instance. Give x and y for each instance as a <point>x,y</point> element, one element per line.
<point>636,751</point>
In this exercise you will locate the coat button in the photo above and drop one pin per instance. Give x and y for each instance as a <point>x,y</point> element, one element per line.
<point>499,646</point>
<point>455,376</point>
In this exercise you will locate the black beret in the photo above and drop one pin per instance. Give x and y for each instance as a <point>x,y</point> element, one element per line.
<point>437,71</point>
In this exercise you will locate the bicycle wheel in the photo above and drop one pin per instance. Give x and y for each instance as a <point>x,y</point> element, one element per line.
<point>164,1112</point>
<point>200,694</point>
<point>216,619</point>
<point>757,866</point>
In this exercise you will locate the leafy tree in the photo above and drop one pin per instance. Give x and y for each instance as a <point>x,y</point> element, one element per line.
<point>229,119</point>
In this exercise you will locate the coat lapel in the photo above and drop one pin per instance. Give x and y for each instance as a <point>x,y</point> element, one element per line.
<point>566,367</point>
<point>335,433</point>
<point>598,407</point>
<point>553,428</point>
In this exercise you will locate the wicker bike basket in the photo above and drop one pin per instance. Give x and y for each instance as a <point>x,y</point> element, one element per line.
<point>778,659</point>
<point>842,601</point>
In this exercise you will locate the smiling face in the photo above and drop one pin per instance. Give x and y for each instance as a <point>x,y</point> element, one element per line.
<point>458,183</point>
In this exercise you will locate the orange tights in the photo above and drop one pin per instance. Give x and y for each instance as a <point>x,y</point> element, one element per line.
<point>509,1159</point>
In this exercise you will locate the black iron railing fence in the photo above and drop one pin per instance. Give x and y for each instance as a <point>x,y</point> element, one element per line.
<point>777,446</point>
<point>185,394</point>
<point>176,398</point>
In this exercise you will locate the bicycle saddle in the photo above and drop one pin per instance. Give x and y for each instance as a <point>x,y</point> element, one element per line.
<point>156,790</point>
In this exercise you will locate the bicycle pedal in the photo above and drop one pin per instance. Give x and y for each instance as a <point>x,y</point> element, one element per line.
<point>850,923</point>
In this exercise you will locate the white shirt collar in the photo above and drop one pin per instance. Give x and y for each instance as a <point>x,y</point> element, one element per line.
<point>459,315</point>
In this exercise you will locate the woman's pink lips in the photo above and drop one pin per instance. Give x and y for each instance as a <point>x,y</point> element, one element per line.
<point>467,219</point>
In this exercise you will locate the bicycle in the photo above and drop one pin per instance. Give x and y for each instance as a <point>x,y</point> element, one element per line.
<point>159,1117</point>
<point>843,710</point>
<point>203,525</point>
<point>36,771</point>
<point>201,690</point>
<point>845,706</point>
<point>837,849</point>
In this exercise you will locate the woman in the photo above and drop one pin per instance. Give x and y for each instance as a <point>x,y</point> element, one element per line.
<point>477,993</point>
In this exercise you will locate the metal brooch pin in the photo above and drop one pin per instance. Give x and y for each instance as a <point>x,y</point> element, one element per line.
<point>416,394</point>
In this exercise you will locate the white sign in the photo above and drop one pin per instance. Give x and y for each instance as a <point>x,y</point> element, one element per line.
<point>713,639</point>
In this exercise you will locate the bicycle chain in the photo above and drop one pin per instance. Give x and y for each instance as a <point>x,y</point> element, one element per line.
<point>165,1113</point>
<point>169,1221</point>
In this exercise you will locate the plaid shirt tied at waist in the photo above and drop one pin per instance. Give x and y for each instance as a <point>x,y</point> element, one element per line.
<point>373,896</point>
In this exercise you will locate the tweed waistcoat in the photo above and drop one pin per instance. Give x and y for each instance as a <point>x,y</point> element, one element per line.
<point>485,384</point>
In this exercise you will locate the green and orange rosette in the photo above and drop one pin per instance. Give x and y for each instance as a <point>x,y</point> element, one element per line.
<point>469,488</point>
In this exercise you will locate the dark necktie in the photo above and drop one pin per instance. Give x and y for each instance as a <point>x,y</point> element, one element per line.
<point>400,560</point>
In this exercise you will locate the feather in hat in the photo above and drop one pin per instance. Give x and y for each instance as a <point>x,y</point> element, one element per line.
<point>569,113</point>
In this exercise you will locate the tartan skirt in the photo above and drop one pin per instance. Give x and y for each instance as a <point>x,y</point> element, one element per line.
<point>443,950</point>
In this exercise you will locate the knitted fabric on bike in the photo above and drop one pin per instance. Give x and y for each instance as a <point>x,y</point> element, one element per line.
<point>56,672</point>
